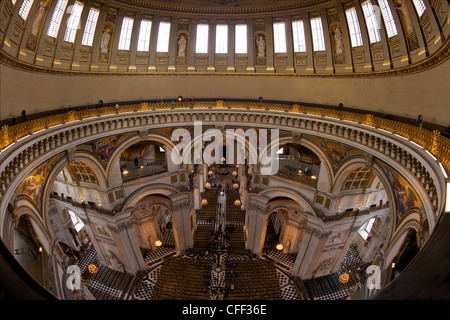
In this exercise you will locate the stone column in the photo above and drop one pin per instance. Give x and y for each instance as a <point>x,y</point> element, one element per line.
<point>312,242</point>
<point>269,46</point>
<point>256,223</point>
<point>211,46</point>
<point>114,49</point>
<point>308,62</point>
<point>346,245</point>
<point>380,50</point>
<point>173,46</point>
<point>133,44</point>
<point>79,38</point>
<point>398,44</point>
<point>153,43</point>
<point>191,46</point>
<point>289,46</point>
<point>127,253</point>
<point>182,210</point>
<point>231,46</point>
<point>250,45</point>
<point>14,33</point>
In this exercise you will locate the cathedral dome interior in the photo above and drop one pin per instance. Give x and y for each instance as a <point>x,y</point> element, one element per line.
<point>224,149</point>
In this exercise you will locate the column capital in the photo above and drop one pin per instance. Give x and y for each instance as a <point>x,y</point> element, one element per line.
<point>120,227</point>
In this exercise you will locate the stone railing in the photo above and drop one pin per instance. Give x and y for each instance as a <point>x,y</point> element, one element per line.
<point>436,144</point>
<point>26,142</point>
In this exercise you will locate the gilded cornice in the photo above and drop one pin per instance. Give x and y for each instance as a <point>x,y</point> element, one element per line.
<point>430,62</point>
<point>223,7</point>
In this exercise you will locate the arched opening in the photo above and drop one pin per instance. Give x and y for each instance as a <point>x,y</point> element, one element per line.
<point>29,251</point>
<point>153,224</point>
<point>166,227</point>
<point>272,232</point>
<point>142,159</point>
<point>74,188</point>
<point>299,163</point>
<point>405,254</point>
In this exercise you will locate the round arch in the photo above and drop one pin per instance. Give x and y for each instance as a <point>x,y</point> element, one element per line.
<point>113,175</point>
<point>83,156</point>
<point>146,228</point>
<point>283,192</point>
<point>357,162</point>
<point>152,189</point>
<point>25,207</point>
<point>410,221</point>
<point>326,174</point>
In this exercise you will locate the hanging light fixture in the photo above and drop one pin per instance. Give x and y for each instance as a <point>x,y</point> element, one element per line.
<point>125,171</point>
<point>236,185</point>
<point>92,269</point>
<point>158,243</point>
<point>208,185</point>
<point>279,246</point>
<point>313,177</point>
<point>210,172</point>
<point>237,202</point>
<point>234,173</point>
<point>343,278</point>
<point>204,201</point>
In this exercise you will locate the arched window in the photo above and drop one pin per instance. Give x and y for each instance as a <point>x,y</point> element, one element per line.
<point>57,16</point>
<point>89,30</point>
<point>76,221</point>
<point>372,22</point>
<point>125,34</point>
<point>163,37</point>
<point>357,179</point>
<point>420,7</point>
<point>353,25</point>
<point>144,35</point>
<point>202,38</point>
<point>389,22</point>
<point>317,34</point>
<point>25,9</point>
<point>365,229</point>
<point>83,173</point>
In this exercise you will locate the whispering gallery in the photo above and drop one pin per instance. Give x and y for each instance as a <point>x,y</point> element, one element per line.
<point>224,150</point>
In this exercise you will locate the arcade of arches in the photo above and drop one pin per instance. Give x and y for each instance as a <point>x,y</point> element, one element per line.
<point>96,192</point>
<point>157,230</point>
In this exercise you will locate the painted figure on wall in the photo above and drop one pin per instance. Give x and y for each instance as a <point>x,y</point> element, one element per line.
<point>104,147</point>
<point>33,185</point>
<point>405,196</point>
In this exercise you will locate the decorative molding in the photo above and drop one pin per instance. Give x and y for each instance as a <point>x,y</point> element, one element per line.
<point>432,61</point>
<point>121,227</point>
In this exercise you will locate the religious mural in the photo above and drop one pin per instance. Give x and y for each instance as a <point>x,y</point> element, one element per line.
<point>33,185</point>
<point>405,196</point>
<point>337,152</point>
<point>103,148</point>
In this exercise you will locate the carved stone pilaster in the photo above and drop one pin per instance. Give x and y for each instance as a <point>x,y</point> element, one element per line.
<point>70,154</point>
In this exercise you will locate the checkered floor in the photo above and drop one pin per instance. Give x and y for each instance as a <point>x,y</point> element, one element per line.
<point>323,288</point>
<point>280,258</point>
<point>329,287</point>
<point>288,291</point>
